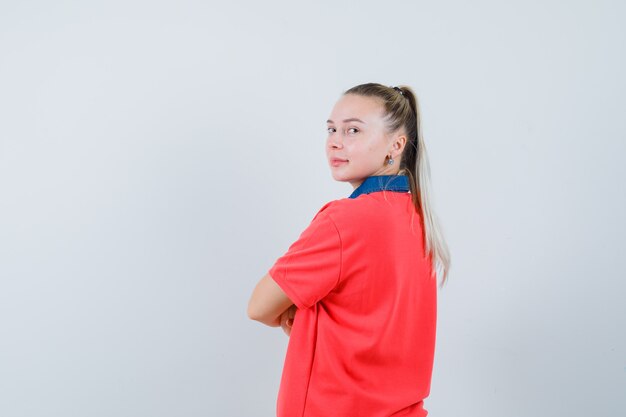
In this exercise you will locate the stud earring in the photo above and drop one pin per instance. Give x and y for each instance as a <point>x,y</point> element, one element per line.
<point>390,161</point>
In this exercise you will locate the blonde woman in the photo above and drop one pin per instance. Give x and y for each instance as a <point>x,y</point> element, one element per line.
<point>357,291</point>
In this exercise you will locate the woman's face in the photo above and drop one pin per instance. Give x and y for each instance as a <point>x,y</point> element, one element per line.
<point>357,144</point>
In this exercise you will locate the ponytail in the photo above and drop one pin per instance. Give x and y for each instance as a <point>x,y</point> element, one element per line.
<point>403,111</point>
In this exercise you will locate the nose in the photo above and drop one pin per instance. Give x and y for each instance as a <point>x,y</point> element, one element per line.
<point>335,140</point>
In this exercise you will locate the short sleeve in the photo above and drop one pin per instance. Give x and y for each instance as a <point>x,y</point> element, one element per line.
<point>311,267</point>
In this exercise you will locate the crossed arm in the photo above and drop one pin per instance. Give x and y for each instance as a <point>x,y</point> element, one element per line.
<point>268,302</point>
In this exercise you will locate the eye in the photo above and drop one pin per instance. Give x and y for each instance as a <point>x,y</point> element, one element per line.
<point>353,128</point>
<point>328,129</point>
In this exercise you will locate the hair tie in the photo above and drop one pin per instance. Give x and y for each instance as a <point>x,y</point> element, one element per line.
<point>398,90</point>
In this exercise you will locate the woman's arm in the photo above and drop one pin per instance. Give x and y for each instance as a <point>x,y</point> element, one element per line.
<point>268,302</point>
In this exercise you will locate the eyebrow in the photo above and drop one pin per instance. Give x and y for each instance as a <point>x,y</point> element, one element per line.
<point>353,119</point>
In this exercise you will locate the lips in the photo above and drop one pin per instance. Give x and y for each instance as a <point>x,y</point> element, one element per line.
<point>335,162</point>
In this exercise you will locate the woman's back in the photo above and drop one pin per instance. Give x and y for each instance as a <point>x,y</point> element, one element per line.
<point>362,274</point>
<point>363,339</point>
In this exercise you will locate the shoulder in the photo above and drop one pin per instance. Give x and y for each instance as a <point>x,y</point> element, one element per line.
<point>368,209</point>
<point>346,210</point>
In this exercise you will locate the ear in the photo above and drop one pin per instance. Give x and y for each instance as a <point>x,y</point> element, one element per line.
<point>398,144</point>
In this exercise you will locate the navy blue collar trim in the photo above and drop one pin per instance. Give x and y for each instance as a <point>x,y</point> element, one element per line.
<point>398,183</point>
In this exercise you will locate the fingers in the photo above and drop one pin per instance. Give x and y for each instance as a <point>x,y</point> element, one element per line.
<point>287,319</point>
<point>291,314</point>
<point>283,323</point>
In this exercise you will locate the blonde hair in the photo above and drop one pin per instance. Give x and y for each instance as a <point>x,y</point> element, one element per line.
<point>402,111</point>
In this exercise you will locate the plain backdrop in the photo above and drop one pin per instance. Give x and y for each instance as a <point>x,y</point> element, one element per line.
<point>156,158</point>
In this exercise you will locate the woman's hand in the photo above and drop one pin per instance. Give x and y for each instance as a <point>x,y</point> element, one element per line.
<point>286,319</point>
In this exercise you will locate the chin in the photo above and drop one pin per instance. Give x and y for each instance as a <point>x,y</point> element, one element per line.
<point>339,177</point>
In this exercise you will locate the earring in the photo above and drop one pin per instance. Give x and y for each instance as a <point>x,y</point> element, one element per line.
<point>390,161</point>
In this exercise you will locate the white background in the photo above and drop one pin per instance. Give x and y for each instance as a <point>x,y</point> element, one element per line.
<point>156,158</point>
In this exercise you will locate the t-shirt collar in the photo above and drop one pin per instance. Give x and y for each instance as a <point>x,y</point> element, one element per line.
<point>398,183</point>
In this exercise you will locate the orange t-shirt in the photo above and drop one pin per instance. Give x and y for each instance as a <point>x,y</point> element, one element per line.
<point>363,338</point>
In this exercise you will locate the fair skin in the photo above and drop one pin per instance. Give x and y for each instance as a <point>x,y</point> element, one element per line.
<point>363,142</point>
<point>356,135</point>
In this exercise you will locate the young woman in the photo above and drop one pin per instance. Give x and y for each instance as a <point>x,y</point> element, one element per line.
<point>356,292</point>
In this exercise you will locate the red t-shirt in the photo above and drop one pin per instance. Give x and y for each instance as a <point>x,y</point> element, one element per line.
<point>363,338</point>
